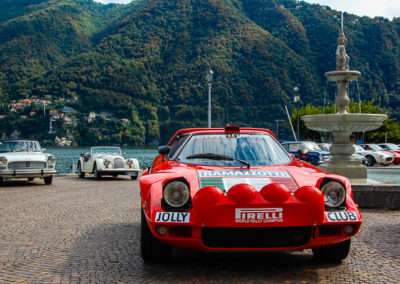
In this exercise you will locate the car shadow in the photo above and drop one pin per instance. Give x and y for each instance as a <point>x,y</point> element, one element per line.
<point>112,253</point>
<point>22,183</point>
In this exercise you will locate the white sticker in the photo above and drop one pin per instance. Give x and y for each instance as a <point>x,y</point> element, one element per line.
<point>172,217</point>
<point>259,215</point>
<point>348,216</point>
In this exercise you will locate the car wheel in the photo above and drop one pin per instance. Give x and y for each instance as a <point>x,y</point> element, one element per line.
<point>48,180</point>
<point>134,177</point>
<point>370,161</point>
<point>333,253</point>
<point>396,163</point>
<point>152,250</point>
<point>79,170</point>
<point>30,179</point>
<point>96,174</point>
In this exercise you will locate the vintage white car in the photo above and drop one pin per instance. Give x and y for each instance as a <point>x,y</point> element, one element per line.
<point>373,157</point>
<point>25,159</point>
<point>109,161</point>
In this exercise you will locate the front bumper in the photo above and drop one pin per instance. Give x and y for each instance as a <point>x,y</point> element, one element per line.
<point>220,225</point>
<point>27,173</point>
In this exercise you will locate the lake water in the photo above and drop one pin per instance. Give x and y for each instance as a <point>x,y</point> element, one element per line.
<point>66,156</point>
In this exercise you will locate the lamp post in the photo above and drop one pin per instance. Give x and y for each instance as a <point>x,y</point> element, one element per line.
<point>297,102</point>
<point>209,79</point>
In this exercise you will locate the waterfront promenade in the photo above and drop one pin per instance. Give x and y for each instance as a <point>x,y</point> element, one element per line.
<point>86,231</point>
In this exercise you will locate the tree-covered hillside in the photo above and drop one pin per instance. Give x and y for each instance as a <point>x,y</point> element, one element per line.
<point>146,61</point>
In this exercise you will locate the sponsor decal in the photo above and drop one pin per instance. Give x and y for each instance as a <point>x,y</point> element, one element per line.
<point>243,173</point>
<point>172,217</point>
<point>258,215</point>
<point>348,216</point>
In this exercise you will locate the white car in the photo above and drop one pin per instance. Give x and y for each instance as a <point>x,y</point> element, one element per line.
<point>373,157</point>
<point>25,159</point>
<point>109,161</point>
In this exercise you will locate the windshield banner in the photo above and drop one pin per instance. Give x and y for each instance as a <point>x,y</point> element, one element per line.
<point>243,173</point>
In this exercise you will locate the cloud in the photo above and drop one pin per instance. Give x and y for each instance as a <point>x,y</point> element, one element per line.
<point>371,8</point>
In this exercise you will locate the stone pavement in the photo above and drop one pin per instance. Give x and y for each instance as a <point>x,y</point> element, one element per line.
<point>87,231</point>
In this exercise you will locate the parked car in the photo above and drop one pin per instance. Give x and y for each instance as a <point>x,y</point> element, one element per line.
<point>375,156</point>
<point>392,148</point>
<point>308,151</point>
<point>25,159</point>
<point>355,156</point>
<point>235,189</point>
<point>103,161</point>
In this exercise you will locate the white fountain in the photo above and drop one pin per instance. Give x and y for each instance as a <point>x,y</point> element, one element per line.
<point>342,123</point>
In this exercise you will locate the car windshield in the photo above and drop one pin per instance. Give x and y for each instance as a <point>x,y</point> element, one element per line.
<point>19,146</point>
<point>312,146</point>
<point>226,150</point>
<point>359,148</point>
<point>375,147</point>
<point>391,146</point>
<point>104,150</point>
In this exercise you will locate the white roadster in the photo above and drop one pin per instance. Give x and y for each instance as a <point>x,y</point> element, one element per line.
<point>109,161</point>
<point>25,159</point>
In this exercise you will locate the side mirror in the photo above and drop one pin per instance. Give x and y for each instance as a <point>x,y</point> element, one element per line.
<point>43,150</point>
<point>164,150</point>
<point>303,152</point>
<point>123,153</point>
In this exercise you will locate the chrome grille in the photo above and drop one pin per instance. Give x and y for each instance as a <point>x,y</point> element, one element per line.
<point>27,165</point>
<point>118,163</point>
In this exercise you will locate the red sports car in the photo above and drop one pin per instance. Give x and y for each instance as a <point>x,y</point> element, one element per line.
<point>227,189</point>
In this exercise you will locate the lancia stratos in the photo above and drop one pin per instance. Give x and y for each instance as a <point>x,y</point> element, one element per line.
<point>238,189</point>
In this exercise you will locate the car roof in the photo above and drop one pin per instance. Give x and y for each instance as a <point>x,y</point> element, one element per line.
<point>185,131</point>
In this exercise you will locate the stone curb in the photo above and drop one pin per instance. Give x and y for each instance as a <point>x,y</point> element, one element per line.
<point>377,196</point>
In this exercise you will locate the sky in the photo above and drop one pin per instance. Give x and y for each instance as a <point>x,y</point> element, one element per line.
<point>371,8</point>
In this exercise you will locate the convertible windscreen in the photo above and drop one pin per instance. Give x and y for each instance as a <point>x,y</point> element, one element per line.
<point>106,150</point>
<point>255,149</point>
<point>19,146</point>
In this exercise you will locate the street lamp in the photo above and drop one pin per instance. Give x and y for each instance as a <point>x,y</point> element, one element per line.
<point>297,102</point>
<point>209,79</point>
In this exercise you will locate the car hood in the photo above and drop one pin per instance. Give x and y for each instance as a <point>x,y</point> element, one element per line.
<point>107,156</point>
<point>25,156</point>
<point>224,178</point>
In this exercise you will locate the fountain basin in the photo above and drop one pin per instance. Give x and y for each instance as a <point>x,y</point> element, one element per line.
<point>348,122</point>
<point>343,76</point>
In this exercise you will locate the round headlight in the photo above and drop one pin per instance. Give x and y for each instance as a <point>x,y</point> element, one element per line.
<point>129,161</point>
<point>176,193</point>
<point>107,162</point>
<point>51,159</point>
<point>3,160</point>
<point>334,193</point>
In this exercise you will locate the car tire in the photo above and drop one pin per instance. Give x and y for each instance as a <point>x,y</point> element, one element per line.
<point>30,179</point>
<point>396,163</point>
<point>152,250</point>
<point>332,253</point>
<point>96,174</point>
<point>370,161</point>
<point>134,177</point>
<point>48,180</point>
<point>79,170</point>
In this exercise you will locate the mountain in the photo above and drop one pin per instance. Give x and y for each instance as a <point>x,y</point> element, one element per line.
<point>146,61</point>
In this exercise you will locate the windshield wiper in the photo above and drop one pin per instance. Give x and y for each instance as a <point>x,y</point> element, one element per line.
<point>217,157</point>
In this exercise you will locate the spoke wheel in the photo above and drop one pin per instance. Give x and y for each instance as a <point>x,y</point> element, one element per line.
<point>79,170</point>
<point>96,174</point>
